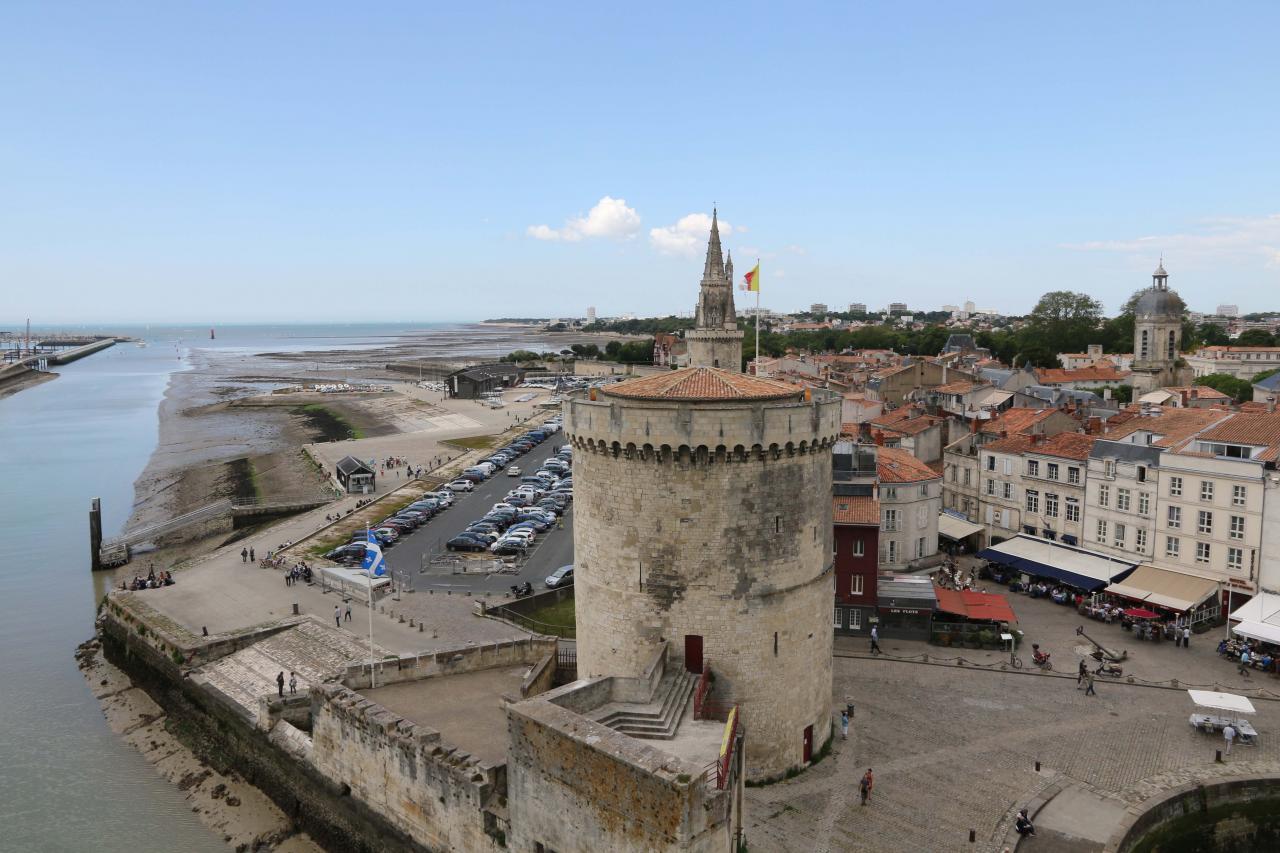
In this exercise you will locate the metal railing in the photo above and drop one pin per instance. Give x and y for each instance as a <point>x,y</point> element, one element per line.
<point>700,692</point>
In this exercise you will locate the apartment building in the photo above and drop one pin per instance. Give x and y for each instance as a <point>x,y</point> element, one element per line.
<point>910,501</point>
<point>1240,362</point>
<point>1053,486</point>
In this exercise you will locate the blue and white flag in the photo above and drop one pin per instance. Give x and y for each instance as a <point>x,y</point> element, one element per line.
<point>373,564</point>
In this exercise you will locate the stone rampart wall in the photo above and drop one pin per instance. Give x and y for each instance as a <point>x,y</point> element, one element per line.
<point>576,786</point>
<point>403,771</point>
<point>453,661</point>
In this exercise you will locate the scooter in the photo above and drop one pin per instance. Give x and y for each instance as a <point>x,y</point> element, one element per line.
<point>1112,669</point>
<point>1040,659</point>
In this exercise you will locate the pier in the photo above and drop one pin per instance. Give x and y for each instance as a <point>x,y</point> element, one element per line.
<point>28,357</point>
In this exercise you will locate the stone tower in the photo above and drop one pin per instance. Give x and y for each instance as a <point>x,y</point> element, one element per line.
<point>703,521</point>
<point>716,340</point>
<point>1157,335</point>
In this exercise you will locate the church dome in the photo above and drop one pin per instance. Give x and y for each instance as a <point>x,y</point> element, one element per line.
<point>1158,302</point>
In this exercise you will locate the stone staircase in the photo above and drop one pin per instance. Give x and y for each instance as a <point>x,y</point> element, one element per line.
<point>660,717</point>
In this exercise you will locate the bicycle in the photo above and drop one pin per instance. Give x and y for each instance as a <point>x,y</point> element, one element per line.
<point>1014,660</point>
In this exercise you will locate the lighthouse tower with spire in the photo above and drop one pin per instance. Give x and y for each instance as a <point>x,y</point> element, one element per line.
<point>716,341</point>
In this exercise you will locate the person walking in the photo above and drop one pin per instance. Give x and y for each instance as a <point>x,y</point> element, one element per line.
<point>864,787</point>
<point>1084,670</point>
<point>280,683</point>
<point>1243,668</point>
<point>244,555</point>
<point>252,558</point>
<point>1186,636</point>
<point>875,641</point>
<point>337,615</point>
<point>1088,685</point>
<point>349,611</point>
<point>844,725</point>
<point>293,684</point>
<point>1229,735</point>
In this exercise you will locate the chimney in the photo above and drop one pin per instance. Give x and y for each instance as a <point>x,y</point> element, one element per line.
<point>1095,425</point>
<point>1106,393</point>
<point>1037,437</point>
<point>1271,405</point>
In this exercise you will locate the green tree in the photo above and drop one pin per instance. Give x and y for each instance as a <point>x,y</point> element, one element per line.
<point>1256,338</point>
<point>1265,375</point>
<point>1062,321</point>
<point>1237,389</point>
<point>1212,335</point>
<point>521,355</point>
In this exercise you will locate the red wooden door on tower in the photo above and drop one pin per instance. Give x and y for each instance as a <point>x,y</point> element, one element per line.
<point>693,652</point>
<point>808,743</point>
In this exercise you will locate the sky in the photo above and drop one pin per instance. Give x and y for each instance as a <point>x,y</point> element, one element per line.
<point>314,162</point>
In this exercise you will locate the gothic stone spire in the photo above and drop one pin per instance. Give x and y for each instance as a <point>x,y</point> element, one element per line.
<point>714,268</point>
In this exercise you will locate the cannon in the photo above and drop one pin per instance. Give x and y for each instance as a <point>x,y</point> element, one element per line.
<point>1101,652</point>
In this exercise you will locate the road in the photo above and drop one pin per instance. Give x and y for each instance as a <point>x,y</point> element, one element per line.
<point>552,549</point>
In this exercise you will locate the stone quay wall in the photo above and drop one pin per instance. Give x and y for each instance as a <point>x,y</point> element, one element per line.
<point>576,786</point>
<point>711,520</point>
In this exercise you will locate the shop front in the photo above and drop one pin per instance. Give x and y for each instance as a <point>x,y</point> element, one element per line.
<point>905,605</point>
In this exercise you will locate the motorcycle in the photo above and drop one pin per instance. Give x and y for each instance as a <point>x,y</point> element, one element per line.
<point>1040,659</point>
<point>522,590</point>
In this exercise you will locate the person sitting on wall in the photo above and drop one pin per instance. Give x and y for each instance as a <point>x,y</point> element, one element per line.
<point>1023,824</point>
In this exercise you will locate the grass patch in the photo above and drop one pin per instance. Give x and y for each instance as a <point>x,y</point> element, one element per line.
<point>341,532</point>
<point>558,615</point>
<point>330,425</point>
<point>472,442</point>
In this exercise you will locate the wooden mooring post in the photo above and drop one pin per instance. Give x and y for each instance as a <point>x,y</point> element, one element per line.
<point>95,535</point>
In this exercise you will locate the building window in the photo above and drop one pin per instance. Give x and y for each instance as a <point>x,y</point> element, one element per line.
<point>839,623</point>
<point>1171,351</point>
<point>1073,509</point>
<point>1122,500</point>
<point>855,619</point>
<point>1204,522</point>
<point>855,585</point>
<point>1175,486</point>
<point>1109,468</point>
<point>952,470</point>
<point>1104,496</point>
<point>1171,544</point>
<point>1142,473</point>
<point>1033,467</point>
<point>991,487</point>
<point>1206,490</point>
<point>1144,346</point>
<point>1144,503</point>
<point>1118,541</point>
<point>1008,491</point>
<point>1175,518</point>
<point>890,519</point>
<point>1073,476</point>
<point>858,548</point>
<point>1238,495</point>
<point>1033,501</point>
<point>1053,470</point>
<point>892,551</point>
<point>1140,540</point>
<point>1202,552</point>
<point>1235,559</point>
<point>1050,506</point>
<point>991,463</point>
<point>1237,527</point>
<point>920,547</point>
<point>966,476</point>
<point>1102,530</point>
<point>889,492</point>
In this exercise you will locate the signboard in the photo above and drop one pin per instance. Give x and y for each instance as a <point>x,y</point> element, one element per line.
<point>727,739</point>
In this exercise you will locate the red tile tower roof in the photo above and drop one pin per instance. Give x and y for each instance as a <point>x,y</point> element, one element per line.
<point>702,384</point>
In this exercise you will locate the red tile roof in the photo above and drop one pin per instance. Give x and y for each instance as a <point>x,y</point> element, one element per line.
<point>855,509</point>
<point>986,606</point>
<point>1069,445</point>
<point>1255,428</point>
<point>911,426</point>
<point>1017,419</point>
<point>895,465</point>
<point>1171,425</point>
<point>702,383</point>
<point>1054,375</point>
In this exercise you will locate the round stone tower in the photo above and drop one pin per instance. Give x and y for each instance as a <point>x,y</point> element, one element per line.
<point>702,518</point>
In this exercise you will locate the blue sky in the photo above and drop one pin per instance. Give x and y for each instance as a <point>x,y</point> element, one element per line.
<point>312,161</point>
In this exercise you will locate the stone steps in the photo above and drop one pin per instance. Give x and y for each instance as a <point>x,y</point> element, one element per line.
<point>660,718</point>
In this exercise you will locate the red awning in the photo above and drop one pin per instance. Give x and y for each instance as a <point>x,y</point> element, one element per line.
<point>981,606</point>
<point>1141,613</point>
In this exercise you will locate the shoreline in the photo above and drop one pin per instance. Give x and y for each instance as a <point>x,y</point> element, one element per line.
<point>11,385</point>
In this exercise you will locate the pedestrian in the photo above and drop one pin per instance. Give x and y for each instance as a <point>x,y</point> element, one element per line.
<point>288,579</point>
<point>865,786</point>
<point>1243,669</point>
<point>348,611</point>
<point>252,558</point>
<point>1229,735</point>
<point>1088,685</point>
<point>293,684</point>
<point>1023,824</point>
<point>1177,636</point>
<point>844,725</point>
<point>280,683</point>
<point>1084,670</point>
<point>875,641</point>
<point>244,555</point>
<point>1186,637</point>
<point>337,615</point>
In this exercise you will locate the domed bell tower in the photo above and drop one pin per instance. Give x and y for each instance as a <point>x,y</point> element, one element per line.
<point>1157,335</point>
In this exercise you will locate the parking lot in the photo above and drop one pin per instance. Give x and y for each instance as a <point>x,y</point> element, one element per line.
<point>415,552</point>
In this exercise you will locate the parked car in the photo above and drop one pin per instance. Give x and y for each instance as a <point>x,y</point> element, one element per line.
<point>562,576</point>
<point>444,496</point>
<point>513,471</point>
<point>353,552</point>
<point>465,542</point>
<point>461,486</point>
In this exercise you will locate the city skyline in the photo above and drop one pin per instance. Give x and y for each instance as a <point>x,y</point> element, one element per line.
<point>173,165</point>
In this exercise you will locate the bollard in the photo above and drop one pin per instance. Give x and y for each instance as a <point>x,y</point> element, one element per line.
<point>1037,766</point>
<point>1217,756</point>
<point>204,630</point>
<point>295,608</point>
<point>419,627</point>
<point>973,836</point>
<point>410,623</point>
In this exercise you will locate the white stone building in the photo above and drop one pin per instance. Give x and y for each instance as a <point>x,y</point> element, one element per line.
<point>1240,362</point>
<point>910,500</point>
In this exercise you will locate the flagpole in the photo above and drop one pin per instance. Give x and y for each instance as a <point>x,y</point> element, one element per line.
<point>757,324</point>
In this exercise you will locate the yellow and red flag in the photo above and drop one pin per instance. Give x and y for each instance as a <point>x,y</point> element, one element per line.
<point>751,281</point>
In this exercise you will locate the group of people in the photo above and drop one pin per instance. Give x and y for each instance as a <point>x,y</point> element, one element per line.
<point>1247,656</point>
<point>951,576</point>
<point>293,683</point>
<point>151,581</point>
<point>300,572</point>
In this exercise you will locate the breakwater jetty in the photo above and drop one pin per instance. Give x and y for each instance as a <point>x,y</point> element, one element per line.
<point>25,363</point>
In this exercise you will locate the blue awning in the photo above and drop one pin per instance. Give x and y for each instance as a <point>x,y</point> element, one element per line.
<point>1075,567</point>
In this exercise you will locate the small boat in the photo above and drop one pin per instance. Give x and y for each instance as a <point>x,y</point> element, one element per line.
<point>139,343</point>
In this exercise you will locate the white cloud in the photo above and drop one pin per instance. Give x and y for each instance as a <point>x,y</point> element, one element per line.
<point>1238,237</point>
<point>609,218</point>
<point>688,235</point>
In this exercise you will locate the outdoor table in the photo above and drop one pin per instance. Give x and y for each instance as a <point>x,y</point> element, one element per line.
<point>1245,733</point>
